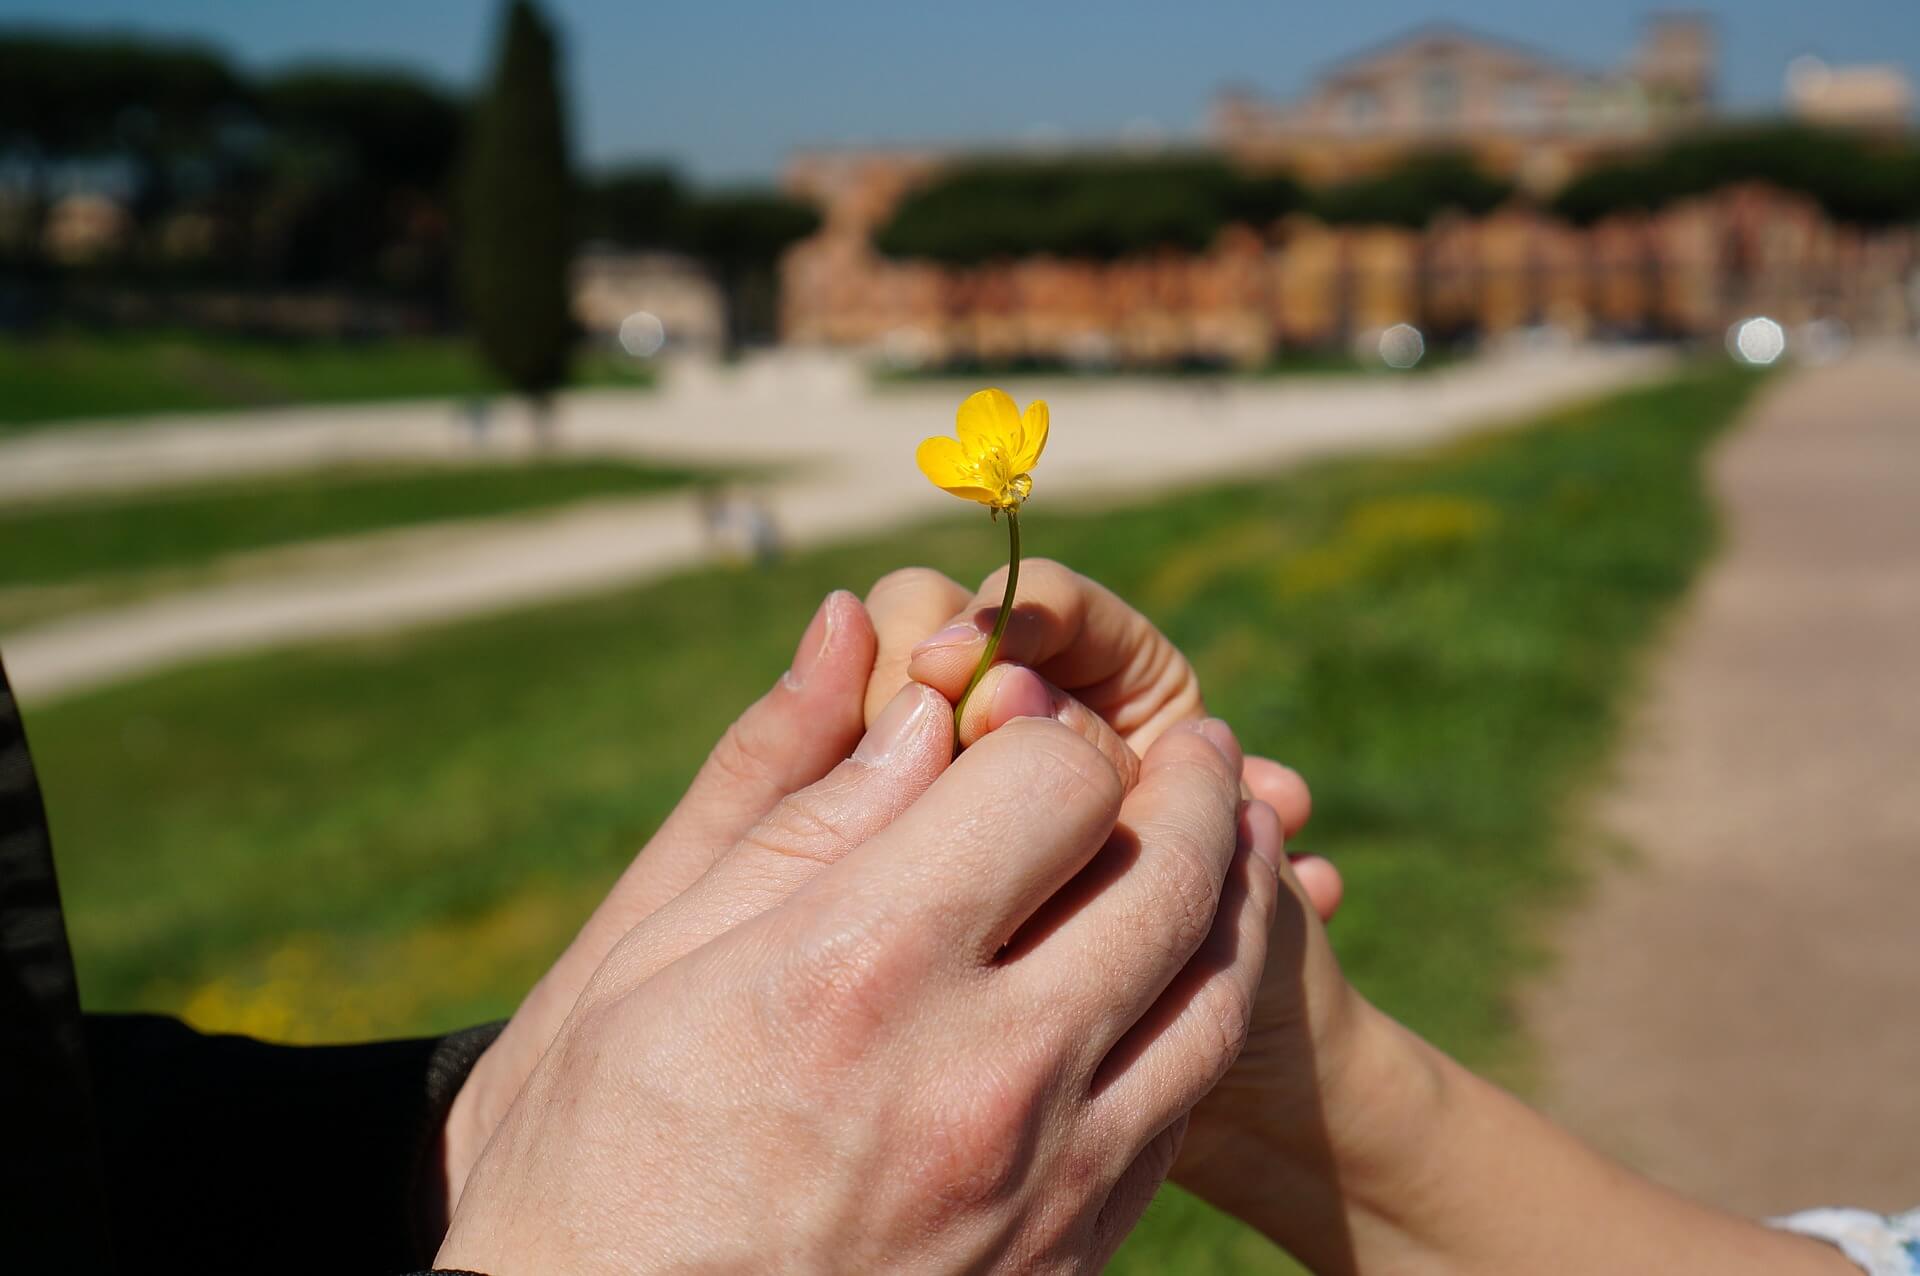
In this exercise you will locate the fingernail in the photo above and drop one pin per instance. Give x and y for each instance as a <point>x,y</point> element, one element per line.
<point>1020,694</point>
<point>951,636</point>
<point>1221,737</point>
<point>898,723</point>
<point>813,643</point>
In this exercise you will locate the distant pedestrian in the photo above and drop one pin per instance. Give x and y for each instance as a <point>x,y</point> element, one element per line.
<point>738,526</point>
<point>476,413</point>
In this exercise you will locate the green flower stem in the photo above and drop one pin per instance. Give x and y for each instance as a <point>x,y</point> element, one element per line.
<point>999,625</point>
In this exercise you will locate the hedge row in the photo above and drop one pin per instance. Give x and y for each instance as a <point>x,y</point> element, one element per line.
<point>1107,207</point>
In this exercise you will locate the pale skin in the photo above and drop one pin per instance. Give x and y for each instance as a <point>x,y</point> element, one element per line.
<point>897,1014</point>
<point>1351,1142</point>
<point>1347,1140</point>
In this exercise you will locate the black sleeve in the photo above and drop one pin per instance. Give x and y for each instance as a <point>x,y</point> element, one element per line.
<point>50,1189</point>
<point>132,1143</point>
<point>221,1152</point>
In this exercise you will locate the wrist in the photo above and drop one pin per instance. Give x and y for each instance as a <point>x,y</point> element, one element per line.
<point>1384,1112</point>
<point>1320,1161</point>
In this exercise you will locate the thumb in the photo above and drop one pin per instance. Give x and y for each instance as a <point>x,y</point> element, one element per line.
<point>909,745</point>
<point>788,739</point>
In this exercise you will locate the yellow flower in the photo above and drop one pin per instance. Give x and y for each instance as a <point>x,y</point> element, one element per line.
<point>997,447</point>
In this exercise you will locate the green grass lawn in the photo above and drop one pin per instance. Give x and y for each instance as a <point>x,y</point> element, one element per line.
<point>89,550</point>
<point>396,835</point>
<point>67,375</point>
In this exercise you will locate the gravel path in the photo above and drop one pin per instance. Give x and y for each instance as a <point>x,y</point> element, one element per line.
<point>1737,1008</point>
<point>845,455</point>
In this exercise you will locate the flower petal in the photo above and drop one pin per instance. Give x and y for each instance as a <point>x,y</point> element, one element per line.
<point>988,419</point>
<point>1033,437</point>
<point>980,494</point>
<point>944,463</point>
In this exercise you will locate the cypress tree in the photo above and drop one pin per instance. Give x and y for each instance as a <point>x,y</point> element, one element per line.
<point>516,206</point>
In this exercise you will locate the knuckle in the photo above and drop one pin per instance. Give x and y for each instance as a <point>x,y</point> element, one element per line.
<point>908,581</point>
<point>1081,1181</point>
<point>1165,687</point>
<point>588,1038</point>
<point>1157,1158</point>
<point>745,756</point>
<point>1048,572</point>
<point>806,826</point>
<point>1057,764</point>
<point>1137,1186</point>
<point>1192,894</point>
<point>1195,769</point>
<point>831,993</point>
<point>1191,850</point>
<point>1085,1167</point>
<point>979,1134</point>
<point>1226,1017</point>
<point>1063,591</point>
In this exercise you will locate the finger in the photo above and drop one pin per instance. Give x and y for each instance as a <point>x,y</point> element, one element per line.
<point>1007,824</point>
<point>1183,1046</point>
<point>906,606</point>
<point>1079,635</point>
<point>790,738</point>
<point>1283,789</point>
<point>909,745</point>
<point>1322,884</point>
<point>787,740</point>
<point>1127,1203</point>
<point>1015,691</point>
<point>1113,940</point>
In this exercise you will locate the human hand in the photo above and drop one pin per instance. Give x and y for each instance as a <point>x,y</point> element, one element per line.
<point>806,724</point>
<point>1074,651</point>
<point>967,1043</point>
<point>1112,676</point>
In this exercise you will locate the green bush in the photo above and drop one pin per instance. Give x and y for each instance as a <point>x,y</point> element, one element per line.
<point>1414,192</point>
<point>1094,208</point>
<point>1854,179</point>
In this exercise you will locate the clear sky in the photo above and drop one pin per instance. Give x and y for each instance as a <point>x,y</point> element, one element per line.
<point>726,88</point>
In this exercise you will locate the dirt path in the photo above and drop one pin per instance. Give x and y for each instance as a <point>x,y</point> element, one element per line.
<point>1737,1010</point>
<point>844,455</point>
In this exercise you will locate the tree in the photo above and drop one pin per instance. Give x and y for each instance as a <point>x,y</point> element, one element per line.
<point>1857,179</point>
<point>740,236</point>
<point>393,126</point>
<point>516,224</point>
<point>1092,208</point>
<point>635,207</point>
<point>146,104</point>
<point>1414,192</point>
<point>361,161</point>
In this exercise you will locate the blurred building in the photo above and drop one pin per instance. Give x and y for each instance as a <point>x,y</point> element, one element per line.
<point>84,227</point>
<point>1685,271</point>
<point>1877,96</point>
<point>1522,113</point>
<point>612,285</point>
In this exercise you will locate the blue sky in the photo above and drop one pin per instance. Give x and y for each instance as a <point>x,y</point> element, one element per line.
<point>727,88</point>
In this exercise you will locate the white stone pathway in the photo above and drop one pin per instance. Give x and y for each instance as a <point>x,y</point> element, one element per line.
<point>838,456</point>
